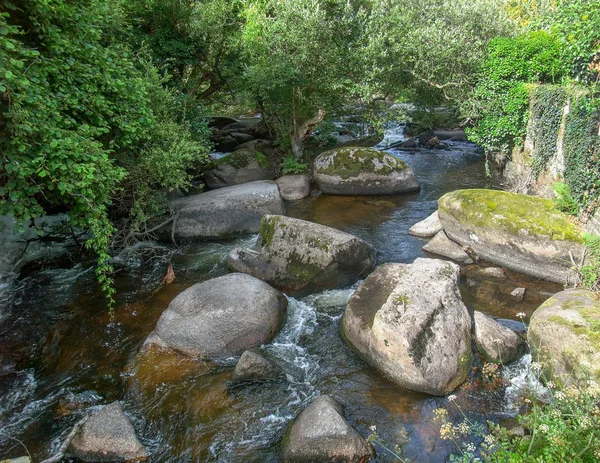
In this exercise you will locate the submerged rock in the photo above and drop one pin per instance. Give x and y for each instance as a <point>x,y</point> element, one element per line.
<point>409,321</point>
<point>107,436</point>
<point>495,342</point>
<point>294,187</point>
<point>363,171</point>
<point>427,228</point>
<point>241,166</point>
<point>224,212</point>
<point>254,367</point>
<point>523,233</point>
<point>220,318</point>
<point>441,245</point>
<point>321,434</point>
<point>301,257</point>
<point>564,336</point>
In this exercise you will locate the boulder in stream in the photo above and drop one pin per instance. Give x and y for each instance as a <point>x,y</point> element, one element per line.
<point>254,367</point>
<point>220,318</point>
<point>107,436</point>
<point>495,342</point>
<point>242,166</point>
<point>428,227</point>
<point>523,233</point>
<point>409,322</point>
<point>564,337</point>
<point>294,187</point>
<point>363,171</point>
<point>321,434</point>
<point>225,212</point>
<point>301,257</point>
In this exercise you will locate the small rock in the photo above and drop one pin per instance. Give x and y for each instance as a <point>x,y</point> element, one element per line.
<point>320,434</point>
<point>17,460</point>
<point>494,272</point>
<point>516,326</point>
<point>294,187</point>
<point>107,436</point>
<point>495,342</point>
<point>518,294</point>
<point>253,367</point>
<point>427,228</point>
<point>443,246</point>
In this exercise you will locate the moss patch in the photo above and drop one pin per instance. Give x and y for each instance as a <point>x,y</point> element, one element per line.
<point>298,268</point>
<point>510,213</point>
<point>267,230</point>
<point>240,159</point>
<point>351,162</point>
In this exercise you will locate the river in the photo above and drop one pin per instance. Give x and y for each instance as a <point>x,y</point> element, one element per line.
<point>60,354</point>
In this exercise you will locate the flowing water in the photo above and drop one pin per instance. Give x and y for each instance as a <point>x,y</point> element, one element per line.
<point>61,355</point>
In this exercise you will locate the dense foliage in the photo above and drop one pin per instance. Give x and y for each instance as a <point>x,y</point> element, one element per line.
<point>87,126</point>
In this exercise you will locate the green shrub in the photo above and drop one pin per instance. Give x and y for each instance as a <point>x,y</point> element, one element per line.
<point>290,165</point>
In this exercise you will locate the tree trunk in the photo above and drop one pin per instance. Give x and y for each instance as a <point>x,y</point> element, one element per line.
<point>302,132</point>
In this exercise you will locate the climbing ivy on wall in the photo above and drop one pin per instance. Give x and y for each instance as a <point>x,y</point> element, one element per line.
<point>582,151</point>
<point>547,103</point>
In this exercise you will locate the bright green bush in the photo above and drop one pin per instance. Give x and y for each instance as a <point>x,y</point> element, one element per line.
<point>502,97</point>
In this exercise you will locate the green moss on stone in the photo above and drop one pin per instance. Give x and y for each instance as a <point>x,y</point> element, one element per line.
<point>351,162</point>
<point>262,160</point>
<point>240,159</point>
<point>300,269</point>
<point>267,230</point>
<point>511,213</point>
<point>403,299</point>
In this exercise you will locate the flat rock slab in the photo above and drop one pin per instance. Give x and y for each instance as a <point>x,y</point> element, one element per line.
<point>321,434</point>
<point>294,187</point>
<point>563,335</point>
<point>441,245</point>
<point>301,257</point>
<point>220,318</point>
<point>225,212</point>
<point>427,228</point>
<point>363,171</point>
<point>523,233</point>
<point>107,436</point>
<point>409,322</point>
<point>495,342</point>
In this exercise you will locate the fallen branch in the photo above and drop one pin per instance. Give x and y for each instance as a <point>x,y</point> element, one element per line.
<point>60,454</point>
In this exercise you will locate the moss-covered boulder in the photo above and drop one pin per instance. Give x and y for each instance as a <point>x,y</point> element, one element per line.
<point>524,233</point>
<point>242,166</point>
<point>363,171</point>
<point>409,322</point>
<point>564,335</point>
<point>301,257</point>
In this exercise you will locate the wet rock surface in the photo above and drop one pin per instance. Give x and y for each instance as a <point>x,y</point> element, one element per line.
<point>495,342</point>
<point>254,367</point>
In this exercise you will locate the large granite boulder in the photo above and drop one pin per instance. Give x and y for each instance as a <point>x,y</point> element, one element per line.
<point>564,336</point>
<point>107,436</point>
<point>321,434</point>
<point>241,166</point>
<point>220,318</point>
<point>294,187</point>
<point>301,257</point>
<point>495,342</point>
<point>363,171</point>
<point>409,322</point>
<point>225,212</point>
<point>523,233</point>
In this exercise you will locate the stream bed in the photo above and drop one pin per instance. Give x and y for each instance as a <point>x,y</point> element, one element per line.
<point>61,355</point>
